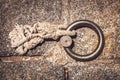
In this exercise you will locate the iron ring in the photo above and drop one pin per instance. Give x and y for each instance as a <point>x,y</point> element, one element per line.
<point>101,41</point>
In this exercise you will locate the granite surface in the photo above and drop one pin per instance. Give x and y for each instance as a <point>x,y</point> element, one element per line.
<point>50,58</point>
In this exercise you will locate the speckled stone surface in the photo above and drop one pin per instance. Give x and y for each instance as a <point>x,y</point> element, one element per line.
<point>50,59</point>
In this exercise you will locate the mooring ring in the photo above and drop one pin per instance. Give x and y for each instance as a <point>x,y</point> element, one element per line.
<point>98,31</point>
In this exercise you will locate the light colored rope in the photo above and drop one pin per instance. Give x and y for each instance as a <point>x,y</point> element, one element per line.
<point>25,37</point>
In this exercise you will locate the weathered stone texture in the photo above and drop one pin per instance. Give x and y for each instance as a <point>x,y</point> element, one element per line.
<point>52,57</point>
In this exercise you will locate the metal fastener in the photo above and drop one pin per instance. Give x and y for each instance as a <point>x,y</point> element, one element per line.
<point>100,46</point>
<point>66,41</point>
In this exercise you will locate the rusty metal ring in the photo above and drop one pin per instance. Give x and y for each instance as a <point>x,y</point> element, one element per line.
<point>98,31</point>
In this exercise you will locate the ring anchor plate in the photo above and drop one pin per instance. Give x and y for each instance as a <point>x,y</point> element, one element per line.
<point>67,41</point>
